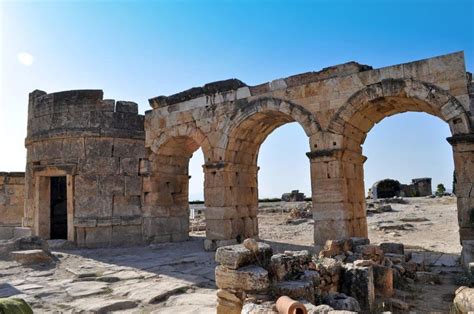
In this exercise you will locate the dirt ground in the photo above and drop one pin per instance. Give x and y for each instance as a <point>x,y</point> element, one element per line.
<point>179,277</point>
<point>427,223</point>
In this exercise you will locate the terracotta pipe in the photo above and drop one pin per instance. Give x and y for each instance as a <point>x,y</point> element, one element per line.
<point>286,305</point>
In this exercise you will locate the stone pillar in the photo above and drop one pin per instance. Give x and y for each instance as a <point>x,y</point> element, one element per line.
<point>165,206</point>
<point>463,153</point>
<point>231,198</point>
<point>337,181</point>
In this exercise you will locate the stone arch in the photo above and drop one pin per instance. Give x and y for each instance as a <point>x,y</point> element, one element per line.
<point>251,122</point>
<point>375,102</point>
<point>188,135</point>
<point>231,183</point>
<point>166,189</point>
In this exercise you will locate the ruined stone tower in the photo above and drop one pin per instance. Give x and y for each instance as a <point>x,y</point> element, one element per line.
<point>83,181</point>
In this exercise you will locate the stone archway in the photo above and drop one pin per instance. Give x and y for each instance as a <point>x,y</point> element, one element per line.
<point>375,102</point>
<point>233,216</point>
<point>166,188</point>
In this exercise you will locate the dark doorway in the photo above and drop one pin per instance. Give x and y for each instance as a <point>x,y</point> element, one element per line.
<point>58,208</point>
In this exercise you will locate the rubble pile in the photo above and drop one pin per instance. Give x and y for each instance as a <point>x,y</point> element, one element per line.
<point>347,274</point>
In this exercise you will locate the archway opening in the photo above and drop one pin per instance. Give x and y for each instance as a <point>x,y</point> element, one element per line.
<point>407,158</point>
<point>252,125</point>
<point>378,101</point>
<point>197,226</point>
<point>166,194</point>
<point>284,188</point>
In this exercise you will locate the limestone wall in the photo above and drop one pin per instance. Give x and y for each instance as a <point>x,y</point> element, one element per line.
<point>99,145</point>
<point>12,199</point>
<point>336,107</point>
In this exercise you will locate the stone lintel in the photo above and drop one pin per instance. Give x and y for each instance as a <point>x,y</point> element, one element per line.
<point>69,169</point>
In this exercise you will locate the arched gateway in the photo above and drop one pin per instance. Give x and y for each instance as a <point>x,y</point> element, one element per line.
<point>336,107</point>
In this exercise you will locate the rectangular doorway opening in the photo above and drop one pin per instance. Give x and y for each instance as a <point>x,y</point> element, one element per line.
<point>58,202</point>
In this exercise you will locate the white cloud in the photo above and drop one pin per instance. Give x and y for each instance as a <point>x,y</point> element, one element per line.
<point>25,58</point>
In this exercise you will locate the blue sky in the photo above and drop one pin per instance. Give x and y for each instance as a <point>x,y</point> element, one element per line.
<point>135,50</point>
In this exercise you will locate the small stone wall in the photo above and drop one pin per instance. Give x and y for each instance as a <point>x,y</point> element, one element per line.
<point>12,200</point>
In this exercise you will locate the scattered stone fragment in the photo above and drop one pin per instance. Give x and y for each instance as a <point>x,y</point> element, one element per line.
<point>393,248</point>
<point>383,280</point>
<point>295,289</point>
<point>464,300</point>
<point>228,307</point>
<point>370,251</point>
<point>31,257</point>
<point>414,219</point>
<point>340,301</point>
<point>235,256</point>
<point>251,244</point>
<point>248,278</point>
<point>262,308</point>
<point>358,282</point>
<point>322,308</point>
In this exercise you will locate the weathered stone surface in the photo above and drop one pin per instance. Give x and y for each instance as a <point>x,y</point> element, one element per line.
<point>248,278</point>
<point>295,289</point>
<point>393,248</point>
<point>464,300</point>
<point>156,289</point>
<point>31,257</point>
<point>235,256</point>
<point>251,244</point>
<point>263,308</point>
<point>358,282</point>
<point>383,280</point>
<point>99,305</point>
<point>285,266</point>
<point>340,301</point>
<point>84,289</point>
<point>372,252</point>
<point>319,309</point>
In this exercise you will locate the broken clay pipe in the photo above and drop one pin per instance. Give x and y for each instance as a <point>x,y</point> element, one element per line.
<point>286,305</point>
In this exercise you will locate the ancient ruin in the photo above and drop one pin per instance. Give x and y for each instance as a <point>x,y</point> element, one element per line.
<point>83,180</point>
<point>392,188</point>
<point>100,174</point>
<point>294,196</point>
